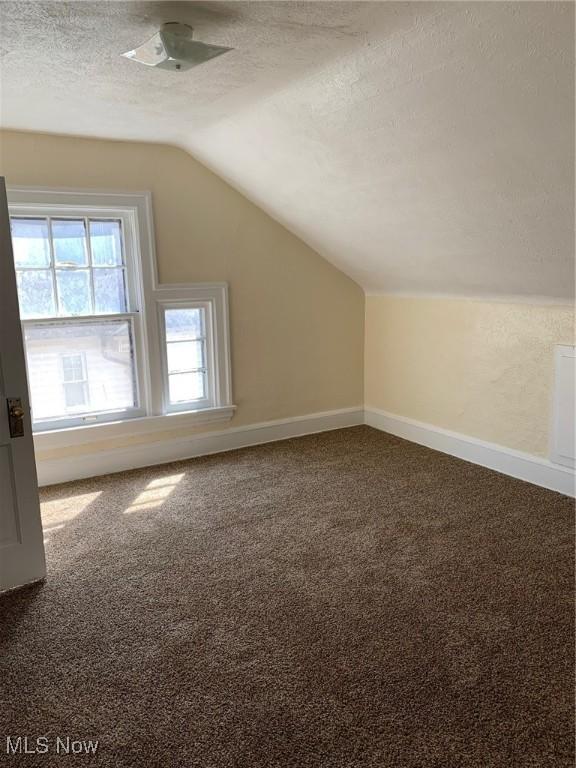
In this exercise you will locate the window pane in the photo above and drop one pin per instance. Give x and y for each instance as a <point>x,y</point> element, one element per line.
<point>35,293</point>
<point>30,242</point>
<point>109,292</point>
<point>74,291</point>
<point>186,386</point>
<point>75,395</point>
<point>184,324</point>
<point>106,243</point>
<point>185,355</point>
<point>106,353</point>
<point>69,236</point>
<point>73,367</point>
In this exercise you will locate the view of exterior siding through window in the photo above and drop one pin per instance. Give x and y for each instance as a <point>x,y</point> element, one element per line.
<point>68,269</point>
<point>106,351</point>
<point>186,354</point>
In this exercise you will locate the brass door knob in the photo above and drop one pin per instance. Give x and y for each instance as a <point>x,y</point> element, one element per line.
<point>15,416</point>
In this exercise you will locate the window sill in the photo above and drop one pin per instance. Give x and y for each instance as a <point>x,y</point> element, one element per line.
<point>147,425</point>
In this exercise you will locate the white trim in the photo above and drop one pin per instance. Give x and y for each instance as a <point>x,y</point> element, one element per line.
<point>182,290</point>
<point>148,425</point>
<point>52,471</point>
<point>213,297</point>
<point>207,339</point>
<point>497,457</point>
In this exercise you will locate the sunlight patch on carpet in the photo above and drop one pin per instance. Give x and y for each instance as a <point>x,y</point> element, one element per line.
<point>155,493</point>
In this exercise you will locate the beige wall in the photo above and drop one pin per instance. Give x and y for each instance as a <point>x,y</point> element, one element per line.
<point>296,321</point>
<point>482,369</point>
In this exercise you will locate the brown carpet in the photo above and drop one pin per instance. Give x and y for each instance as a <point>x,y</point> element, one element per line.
<point>345,600</point>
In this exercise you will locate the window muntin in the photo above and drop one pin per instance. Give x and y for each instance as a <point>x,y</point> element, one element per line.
<point>69,267</point>
<point>185,342</point>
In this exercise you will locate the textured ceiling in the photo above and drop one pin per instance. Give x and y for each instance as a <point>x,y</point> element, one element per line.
<point>421,147</point>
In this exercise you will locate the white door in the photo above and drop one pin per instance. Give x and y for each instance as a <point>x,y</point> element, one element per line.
<point>21,541</point>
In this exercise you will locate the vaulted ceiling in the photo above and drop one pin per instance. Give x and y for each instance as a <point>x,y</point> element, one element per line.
<point>423,148</point>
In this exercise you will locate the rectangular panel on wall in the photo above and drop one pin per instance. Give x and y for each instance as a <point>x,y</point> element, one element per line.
<point>563,428</point>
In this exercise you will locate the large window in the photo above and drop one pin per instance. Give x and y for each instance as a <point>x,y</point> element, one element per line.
<point>104,342</point>
<point>81,325</point>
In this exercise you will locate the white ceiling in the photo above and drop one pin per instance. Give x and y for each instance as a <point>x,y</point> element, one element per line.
<point>420,147</point>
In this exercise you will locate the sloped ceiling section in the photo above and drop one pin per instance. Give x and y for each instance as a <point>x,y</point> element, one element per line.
<point>422,148</point>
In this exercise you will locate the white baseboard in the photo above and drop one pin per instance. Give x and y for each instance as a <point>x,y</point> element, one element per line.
<point>51,471</point>
<point>505,460</point>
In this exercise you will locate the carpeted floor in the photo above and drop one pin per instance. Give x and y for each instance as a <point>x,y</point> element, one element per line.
<point>345,600</point>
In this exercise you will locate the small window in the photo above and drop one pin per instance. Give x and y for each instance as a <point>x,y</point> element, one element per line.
<point>74,381</point>
<point>194,342</point>
<point>186,354</point>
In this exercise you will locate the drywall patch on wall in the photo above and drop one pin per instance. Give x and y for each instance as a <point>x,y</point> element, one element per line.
<point>481,369</point>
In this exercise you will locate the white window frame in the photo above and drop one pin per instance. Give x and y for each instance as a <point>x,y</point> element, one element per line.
<point>209,396</point>
<point>147,297</point>
<point>53,205</point>
<point>213,299</point>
